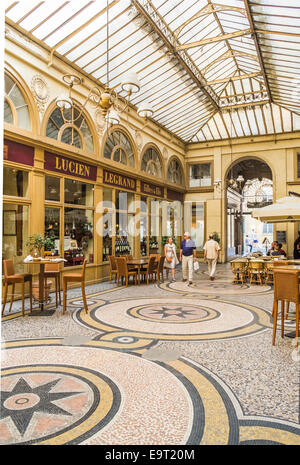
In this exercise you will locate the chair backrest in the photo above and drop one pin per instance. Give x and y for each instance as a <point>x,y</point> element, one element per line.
<point>52,266</point>
<point>161,263</point>
<point>156,255</point>
<point>255,265</point>
<point>112,262</point>
<point>122,266</point>
<point>286,285</point>
<point>280,263</point>
<point>83,268</point>
<point>8,267</point>
<point>238,266</point>
<point>151,263</point>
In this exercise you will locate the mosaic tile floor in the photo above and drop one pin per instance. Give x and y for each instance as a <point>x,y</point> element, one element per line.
<point>165,364</point>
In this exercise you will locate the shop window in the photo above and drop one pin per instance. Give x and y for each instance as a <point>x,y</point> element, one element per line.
<point>15,234</point>
<point>194,222</point>
<point>200,175</point>
<point>151,163</point>
<point>78,236</point>
<point>77,134</point>
<point>79,193</point>
<point>155,238</point>
<point>267,228</point>
<point>108,217</point>
<point>15,182</point>
<point>119,149</point>
<point>52,189</point>
<point>15,107</point>
<point>52,227</point>
<point>143,226</point>
<point>175,174</point>
<point>125,211</point>
<point>298,165</point>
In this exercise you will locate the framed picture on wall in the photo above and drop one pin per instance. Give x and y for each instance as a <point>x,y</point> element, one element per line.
<point>281,237</point>
<point>9,223</point>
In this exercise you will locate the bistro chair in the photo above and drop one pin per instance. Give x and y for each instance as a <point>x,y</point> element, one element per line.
<point>75,278</point>
<point>52,270</point>
<point>286,289</point>
<point>239,270</point>
<point>11,278</point>
<point>160,268</point>
<point>112,267</point>
<point>269,276</point>
<point>256,270</point>
<point>123,271</point>
<point>151,269</point>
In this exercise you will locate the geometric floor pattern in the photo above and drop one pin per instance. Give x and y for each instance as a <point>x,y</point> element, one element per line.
<point>89,378</point>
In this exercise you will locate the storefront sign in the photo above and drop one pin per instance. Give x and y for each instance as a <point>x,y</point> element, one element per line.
<point>175,195</point>
<point>119,180</point>
<point>70,167</point>
<point>152,189</point>
<point>18,153</point>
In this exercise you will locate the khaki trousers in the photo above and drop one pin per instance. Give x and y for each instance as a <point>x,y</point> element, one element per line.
<point>187,267</point>
<point>212,264</point>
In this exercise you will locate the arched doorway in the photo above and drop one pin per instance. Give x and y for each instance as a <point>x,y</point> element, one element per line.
<point>249,185</point>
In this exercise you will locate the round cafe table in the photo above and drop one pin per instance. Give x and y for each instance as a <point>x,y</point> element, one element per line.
<point>42,263</point>
<point>138,263</point>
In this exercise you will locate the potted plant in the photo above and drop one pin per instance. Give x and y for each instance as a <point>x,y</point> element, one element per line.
<point>37,243</point>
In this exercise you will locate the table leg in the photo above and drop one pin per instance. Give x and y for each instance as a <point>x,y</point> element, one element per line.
<point>139,274</point>
<point>42,286</point>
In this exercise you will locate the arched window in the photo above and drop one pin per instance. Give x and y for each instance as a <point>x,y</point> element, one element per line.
<point>151,163</point>
<point>175,174</point>
<point>77,134</point>
<point>15,106</point>
<point>118,148</point>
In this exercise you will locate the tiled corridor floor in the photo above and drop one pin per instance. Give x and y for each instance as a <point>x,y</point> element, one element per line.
<point>161,364</point>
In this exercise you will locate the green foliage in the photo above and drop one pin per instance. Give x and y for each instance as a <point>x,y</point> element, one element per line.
<point>216,237</point>
<point>37,241</point>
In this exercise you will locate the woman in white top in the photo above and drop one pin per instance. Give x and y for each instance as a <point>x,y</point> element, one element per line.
<point>171,259</point>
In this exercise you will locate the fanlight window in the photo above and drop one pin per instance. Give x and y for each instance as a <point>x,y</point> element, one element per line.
<point>77,134</point>
<point>175,174</point>
<point>151,163</point>
<point>15,107</point>
<point>118,148</point>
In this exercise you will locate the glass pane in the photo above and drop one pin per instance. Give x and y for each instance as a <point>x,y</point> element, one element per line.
<point>15,182</point>
<point>78,238</point>
<point>9,83</point>
<point>52,188</point>
<point>79,193</point>
<point>124,243</point>
<point>155,238</point>
<point>23,118</point>
<point>143,235</point>
<point>200,175</point>
<point>107,235</point>
<point>70,136</point>
<point>16,96</point>
<point>15,234</point>
<point>8,116</point>
<point>52,227</point>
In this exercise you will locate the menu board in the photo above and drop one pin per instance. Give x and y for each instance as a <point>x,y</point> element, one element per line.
<point>281,237</point>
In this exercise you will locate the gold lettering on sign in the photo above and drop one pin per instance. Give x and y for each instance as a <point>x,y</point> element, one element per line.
<point>118,180</point>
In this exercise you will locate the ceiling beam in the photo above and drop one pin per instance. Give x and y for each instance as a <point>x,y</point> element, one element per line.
<point>158,24</point>
<point>246,104</point>
<point>233,78</point>
<point>258,51</point>
<point>212,40</point>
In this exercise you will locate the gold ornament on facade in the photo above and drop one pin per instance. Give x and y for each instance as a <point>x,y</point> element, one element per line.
<point>40,92</point>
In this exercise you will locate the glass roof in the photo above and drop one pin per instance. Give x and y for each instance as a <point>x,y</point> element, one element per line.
<point>210,70</point>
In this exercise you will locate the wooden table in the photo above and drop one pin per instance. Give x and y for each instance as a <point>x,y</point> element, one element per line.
<point>138,262</point>
<point>42,264</point>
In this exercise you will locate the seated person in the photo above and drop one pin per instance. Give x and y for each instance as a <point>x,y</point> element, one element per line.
<point>272,248</point>
<point>281,250</point>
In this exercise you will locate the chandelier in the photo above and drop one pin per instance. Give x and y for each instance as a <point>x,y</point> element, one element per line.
<point>108,101</point>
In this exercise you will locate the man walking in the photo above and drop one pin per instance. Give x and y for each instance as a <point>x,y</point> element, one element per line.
<point>211,254</point>
<point>187,257</point>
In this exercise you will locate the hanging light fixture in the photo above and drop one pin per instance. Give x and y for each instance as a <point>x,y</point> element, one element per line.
<point>107,100</point>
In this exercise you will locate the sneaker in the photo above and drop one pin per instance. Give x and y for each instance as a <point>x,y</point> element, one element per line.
<point>190,282</point>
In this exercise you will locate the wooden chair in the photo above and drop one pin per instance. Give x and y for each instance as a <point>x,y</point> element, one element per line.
<point>52,270</point>
<point>286,289</point>
<point>113,267</point>
<point>151,269</point>
<point>75,278</point>
<point>239,272</point>
<point>123,271</point>
<point>11,278</point>
<point>269,276</point>
<point>160,268</point>
<point>256,269</point>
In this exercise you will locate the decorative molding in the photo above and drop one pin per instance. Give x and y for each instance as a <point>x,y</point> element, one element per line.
<point>138,138</point>
<point>99,122</point>
<point>40,91</point>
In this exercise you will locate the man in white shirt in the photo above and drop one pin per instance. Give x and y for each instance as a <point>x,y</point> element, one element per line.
<point>211,255</point>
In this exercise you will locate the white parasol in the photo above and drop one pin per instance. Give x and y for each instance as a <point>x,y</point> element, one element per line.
<point>286,209</point>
